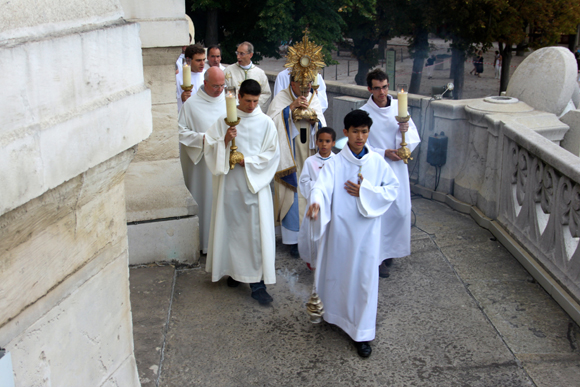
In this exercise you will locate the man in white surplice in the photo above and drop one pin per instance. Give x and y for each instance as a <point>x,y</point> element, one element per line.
<point>352,192</point>
<point>246,69</point>
<point>197,115</point>
<point>297,143</point>
<point>195,58</point>
<point>242,242</point>
<point>385,138</point>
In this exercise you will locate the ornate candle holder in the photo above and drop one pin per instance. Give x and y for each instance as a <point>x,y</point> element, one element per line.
<point>235,156</point>
<point>187,88</point>
<point>403,152</point>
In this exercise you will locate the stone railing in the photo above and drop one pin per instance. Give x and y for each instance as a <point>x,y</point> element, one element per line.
<point>505,168</point>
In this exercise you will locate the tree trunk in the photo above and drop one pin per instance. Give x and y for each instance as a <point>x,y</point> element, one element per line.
<point>211,30</point>
<point>421,51</point>
<point>506,59</point>
<point>458,72</point>
<point>361,76</point>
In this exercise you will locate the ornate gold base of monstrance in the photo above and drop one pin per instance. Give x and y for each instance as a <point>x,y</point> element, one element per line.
<point>235,156</point>
<point>403,152</point>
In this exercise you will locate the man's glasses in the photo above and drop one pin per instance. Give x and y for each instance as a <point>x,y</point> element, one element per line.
<point>217,87</point>
<point>377,88</point>
<point>241,53</point>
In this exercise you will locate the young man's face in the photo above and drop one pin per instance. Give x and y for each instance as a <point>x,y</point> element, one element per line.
<point>324,144</point>
<point>197,63</point>
<point>248,102</point>
<point>214,57</point>
<point>379,91</point>
<point>357,137</point>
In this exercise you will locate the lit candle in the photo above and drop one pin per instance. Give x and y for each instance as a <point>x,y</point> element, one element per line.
<point>231,109</point>
<point>186,75</point>
<point>402,100</point>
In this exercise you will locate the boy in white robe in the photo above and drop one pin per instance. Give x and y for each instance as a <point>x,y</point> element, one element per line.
<point>242,241</point>
<point>325,140</point>
<point>385,138</point>
<point>352,192</point>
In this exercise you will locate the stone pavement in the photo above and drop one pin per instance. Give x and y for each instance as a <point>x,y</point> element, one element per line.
<point>460,311</point>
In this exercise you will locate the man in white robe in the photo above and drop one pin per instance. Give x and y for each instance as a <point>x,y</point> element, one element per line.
<point>242,242</point>
<point>214,58</point>
<point>283,81</point>
<point>297,143</point>
<point>385,138</point>
<point>352,192</point>
<point>245,69</point>
<point>194,57</point>
<point>197,115</point>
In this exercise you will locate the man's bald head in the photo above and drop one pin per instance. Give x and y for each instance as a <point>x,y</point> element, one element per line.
<point>214,81</point>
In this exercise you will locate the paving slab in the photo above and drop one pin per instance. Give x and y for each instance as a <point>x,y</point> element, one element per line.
<point>150,302</point>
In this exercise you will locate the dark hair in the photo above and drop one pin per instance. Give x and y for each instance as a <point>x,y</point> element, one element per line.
<point>376,74</point>
<point>357,118</point>
<point>194,49</point>
<point>214,47</point>
<point>326,129</point>
<point>251,87</point>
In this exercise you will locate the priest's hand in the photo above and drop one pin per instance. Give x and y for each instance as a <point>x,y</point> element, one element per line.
<point>403,127</point>
<point>313,211</point>
<point>230,134</point>
<point>391,154</point>
<point>242,163</point>
<point>185,95</point>
<point>299,102</point>
<point>353,189</point>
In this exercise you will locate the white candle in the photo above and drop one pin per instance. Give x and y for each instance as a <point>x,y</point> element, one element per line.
<point>402,100</point>
<point>315,83</point>
<point>186,75</point>
<point>231,108</point>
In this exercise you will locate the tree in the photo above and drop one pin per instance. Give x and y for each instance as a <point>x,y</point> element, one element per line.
<point>546,19</point>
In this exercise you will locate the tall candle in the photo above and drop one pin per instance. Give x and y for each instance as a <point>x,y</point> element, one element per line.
<point>315,83</point>
<point>186,75</point>
<point>402,100</point>
<point>231,108</point>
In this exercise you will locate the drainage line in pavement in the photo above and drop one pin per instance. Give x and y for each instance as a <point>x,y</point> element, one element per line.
<point>166,329</point>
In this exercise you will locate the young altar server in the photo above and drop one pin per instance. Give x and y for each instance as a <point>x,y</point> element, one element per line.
<point>242,240</point>
<point>325,140</point>
<point>352,192</point>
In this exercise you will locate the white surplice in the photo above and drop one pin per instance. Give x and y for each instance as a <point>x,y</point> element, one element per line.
<point>283,81</point>
<point>290,204</point>
<point>197,115</point>
<point>235,75</point>
<point>385,134</point>
<point>307,247</point>
<point>349,228</point>
<point>196,82</point>
<point>242,242</point>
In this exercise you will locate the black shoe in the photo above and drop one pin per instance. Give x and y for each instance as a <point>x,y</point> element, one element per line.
<point>384,271</point>
<point>232,283</point>
<point>294,251</point>
<point>262,296</point>
<point>363,348</point>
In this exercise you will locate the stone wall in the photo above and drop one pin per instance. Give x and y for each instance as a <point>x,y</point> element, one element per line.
<point>74,106</point>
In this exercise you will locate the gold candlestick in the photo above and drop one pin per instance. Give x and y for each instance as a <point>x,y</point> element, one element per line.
<point>315,309</point>
<point>403,152</point>
<point>235,156</point>
<point>187,88</point>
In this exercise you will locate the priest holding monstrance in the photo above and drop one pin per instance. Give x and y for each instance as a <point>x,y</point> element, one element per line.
<point>298,115</point>
<point>241,151</point>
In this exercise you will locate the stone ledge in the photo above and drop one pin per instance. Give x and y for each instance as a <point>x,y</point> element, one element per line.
<point>167,240</point>
<point>156,190</point>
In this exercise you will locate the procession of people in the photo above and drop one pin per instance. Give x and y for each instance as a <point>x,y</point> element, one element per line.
<point>347,215</point>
